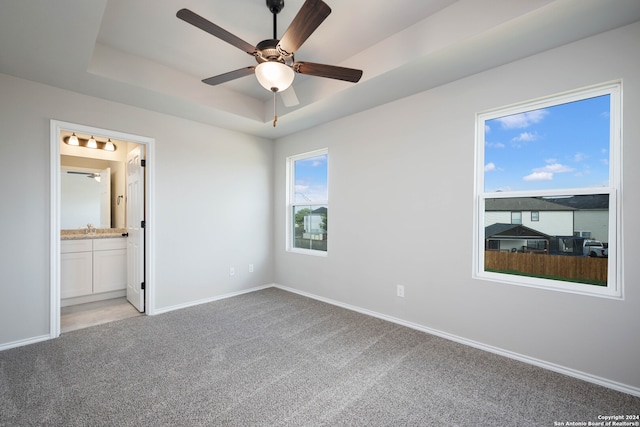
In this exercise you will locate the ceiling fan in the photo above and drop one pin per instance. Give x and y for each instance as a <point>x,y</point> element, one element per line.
<point>276,64</point>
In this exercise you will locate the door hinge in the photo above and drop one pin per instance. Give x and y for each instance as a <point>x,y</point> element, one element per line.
<point>143,163</point>
<point>142,286</point>
<point>143,224</point>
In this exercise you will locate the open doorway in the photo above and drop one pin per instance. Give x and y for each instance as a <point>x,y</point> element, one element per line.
<point>101,255</point>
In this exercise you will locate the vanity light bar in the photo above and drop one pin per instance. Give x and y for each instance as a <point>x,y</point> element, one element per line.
<point>81,142</point>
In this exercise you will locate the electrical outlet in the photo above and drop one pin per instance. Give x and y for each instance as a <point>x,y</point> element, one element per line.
<point>250,268</point>
<point>400,291</point>
<point>232,271</point>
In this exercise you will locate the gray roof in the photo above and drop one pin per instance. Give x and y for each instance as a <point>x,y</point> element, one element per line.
<point>514,231</point>
<point>584,202</point>
<point>572,203</point>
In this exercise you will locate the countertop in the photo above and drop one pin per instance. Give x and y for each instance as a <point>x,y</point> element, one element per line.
<point>99,233</point>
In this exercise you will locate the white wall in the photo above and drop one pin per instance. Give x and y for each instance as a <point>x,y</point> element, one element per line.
<point>213,202</point>
<point>597,222</point>
<point>401,182</point>
<point>553,223</point>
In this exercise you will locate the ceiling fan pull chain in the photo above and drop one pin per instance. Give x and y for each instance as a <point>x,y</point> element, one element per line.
<point>275,111</point>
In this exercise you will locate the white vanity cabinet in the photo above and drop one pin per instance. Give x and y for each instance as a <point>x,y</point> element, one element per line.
<point>76,268</point>
<point>109,265</point>
<point>92,269</point>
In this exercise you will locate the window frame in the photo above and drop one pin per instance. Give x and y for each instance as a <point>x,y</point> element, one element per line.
<point>291,201</point>
<point>614,288</point>
<point>516,217</point>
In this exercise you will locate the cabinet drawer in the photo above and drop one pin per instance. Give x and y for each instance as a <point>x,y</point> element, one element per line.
<point>109,244</point>
<point>71,246</point>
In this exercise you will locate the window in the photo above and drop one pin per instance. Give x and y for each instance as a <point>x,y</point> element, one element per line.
<point>559,159</point>
<point>308,202</point>
<point>516,217</point>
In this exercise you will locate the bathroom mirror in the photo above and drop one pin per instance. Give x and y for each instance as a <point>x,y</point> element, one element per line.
<point>85,198</point>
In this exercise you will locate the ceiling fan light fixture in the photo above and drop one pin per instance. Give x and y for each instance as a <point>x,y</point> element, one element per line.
<point>274,76</point>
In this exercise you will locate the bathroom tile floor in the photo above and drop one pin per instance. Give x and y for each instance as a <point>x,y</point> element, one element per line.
<point>95,313</point>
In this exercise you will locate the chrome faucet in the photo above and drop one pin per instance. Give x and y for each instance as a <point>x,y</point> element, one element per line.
<point>90,229</point>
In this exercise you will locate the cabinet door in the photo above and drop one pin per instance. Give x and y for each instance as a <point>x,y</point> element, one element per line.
<point>109,270</point>
<point>75,274</point>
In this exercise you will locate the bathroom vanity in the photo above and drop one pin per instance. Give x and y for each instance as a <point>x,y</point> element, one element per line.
<point>93,266</point>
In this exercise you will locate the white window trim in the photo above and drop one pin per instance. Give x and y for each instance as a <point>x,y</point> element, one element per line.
<point>614,288</point>
<point>290,202</point>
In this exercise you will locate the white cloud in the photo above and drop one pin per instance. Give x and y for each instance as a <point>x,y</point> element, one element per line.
<point>554,168</point>
<point>487,128</point>
<point>523,120</point>
<point>489,167</point>
<point>525,137</point>
<point>539,176</point>
<point>579,157</point>
<point>546,173</point>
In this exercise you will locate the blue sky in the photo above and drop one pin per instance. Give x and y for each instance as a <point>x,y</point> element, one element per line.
<point>311,179</point>
<point>564,146</point>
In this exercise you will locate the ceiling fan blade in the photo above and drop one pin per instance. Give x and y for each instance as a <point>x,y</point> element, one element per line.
<point>211,28</point>
<point>309,17</point>
<point>330,71</point>
<point>289,97</point>
<point>231,75</point>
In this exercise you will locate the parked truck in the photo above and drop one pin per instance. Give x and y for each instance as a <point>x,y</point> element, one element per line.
<point>577,246</point>
<point>595,248</point>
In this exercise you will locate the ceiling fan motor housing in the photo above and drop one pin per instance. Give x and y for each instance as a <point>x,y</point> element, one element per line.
<point>267,51</point>
<point>275,6</point>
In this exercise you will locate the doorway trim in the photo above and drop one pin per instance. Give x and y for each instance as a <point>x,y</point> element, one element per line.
<point>57,126</point>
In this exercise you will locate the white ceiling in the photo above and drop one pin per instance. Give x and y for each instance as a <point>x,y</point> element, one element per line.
<point>137,52</point>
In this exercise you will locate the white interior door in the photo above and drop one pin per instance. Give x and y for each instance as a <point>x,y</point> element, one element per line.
<point>135,218</point>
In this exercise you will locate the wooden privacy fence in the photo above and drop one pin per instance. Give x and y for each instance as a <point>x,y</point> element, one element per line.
<point>570,267</point>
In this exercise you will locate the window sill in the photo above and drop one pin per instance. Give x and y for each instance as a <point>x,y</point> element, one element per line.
<point>548,284</point>
<point>307,252</point>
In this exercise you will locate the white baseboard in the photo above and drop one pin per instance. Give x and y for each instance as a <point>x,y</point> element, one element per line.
<point>634,391</point>
<point>27,341</point>
<point>210,299</point>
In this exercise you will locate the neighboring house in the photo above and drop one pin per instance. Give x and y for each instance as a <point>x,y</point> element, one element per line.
<point>314,227</point>
<point>582,216</point>
<point>590,217</point>
<point>515,238</point>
